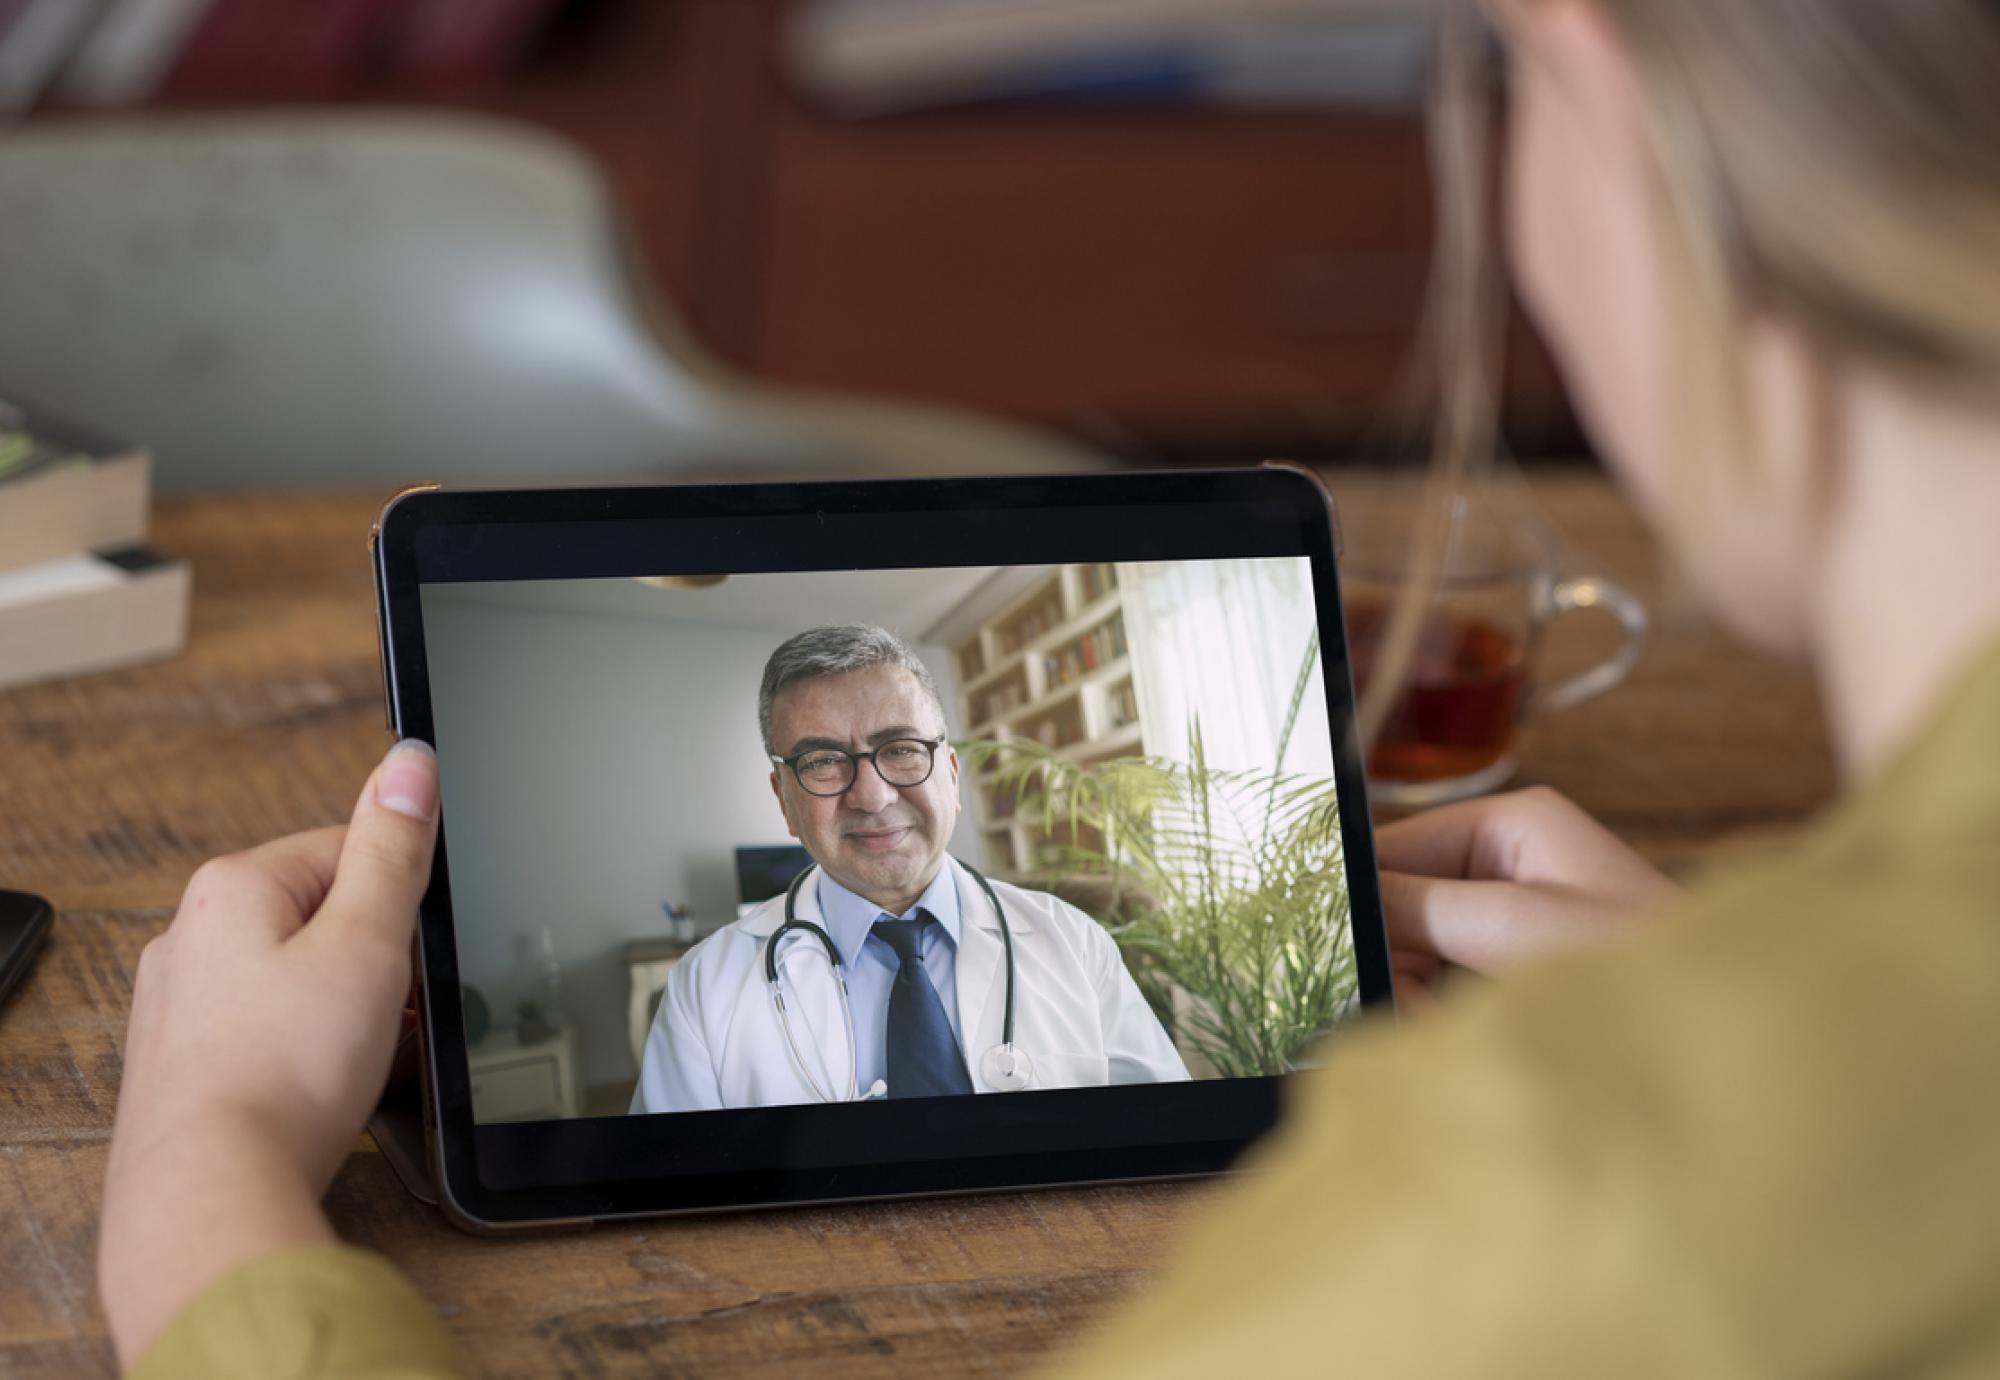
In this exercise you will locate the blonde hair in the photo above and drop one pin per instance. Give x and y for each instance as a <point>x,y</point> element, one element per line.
<point>1459,346</point>
<point>1832,162</point>
<point>1838,160</point>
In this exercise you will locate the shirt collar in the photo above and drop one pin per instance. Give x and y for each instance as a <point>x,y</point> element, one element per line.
<point>848,917</point>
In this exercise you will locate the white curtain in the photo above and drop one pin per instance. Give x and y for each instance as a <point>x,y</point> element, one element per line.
<point>1224,640</point>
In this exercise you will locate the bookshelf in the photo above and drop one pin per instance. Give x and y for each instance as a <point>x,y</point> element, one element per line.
<point>1053,667</point>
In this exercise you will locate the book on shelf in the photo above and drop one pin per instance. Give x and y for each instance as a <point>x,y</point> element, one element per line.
<point>65,489</point>
<point>1103,645</point>
<point>90,611</point>
<point>1123,705</point>
<point>1000,700</point>
<point>1034,622</point>
<point>1096,581</point>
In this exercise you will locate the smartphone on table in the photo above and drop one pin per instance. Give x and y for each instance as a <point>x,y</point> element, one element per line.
<point>25,922</point>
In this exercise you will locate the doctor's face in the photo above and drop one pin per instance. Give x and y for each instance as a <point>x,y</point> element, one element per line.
<point>879,841</point>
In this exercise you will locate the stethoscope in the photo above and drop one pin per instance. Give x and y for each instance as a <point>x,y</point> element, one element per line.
<point>1003,1068</point>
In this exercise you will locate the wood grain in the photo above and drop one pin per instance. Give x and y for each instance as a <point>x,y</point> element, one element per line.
<point>119,785</point>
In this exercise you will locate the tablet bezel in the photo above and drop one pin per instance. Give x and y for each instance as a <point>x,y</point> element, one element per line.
<point>533,1173</point>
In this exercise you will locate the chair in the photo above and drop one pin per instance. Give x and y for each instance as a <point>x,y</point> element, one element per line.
<point>371,299</point>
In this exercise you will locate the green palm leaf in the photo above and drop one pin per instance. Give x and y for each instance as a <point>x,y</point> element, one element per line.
<point>1228,886</point>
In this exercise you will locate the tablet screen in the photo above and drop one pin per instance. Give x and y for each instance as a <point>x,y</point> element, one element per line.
<point>824,841</point>
<point>737,839</point>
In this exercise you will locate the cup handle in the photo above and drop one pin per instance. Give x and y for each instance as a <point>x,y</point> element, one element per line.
<point>1593,593</point>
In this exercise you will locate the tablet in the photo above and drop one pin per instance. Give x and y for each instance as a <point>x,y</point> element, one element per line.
<point>809,842</point>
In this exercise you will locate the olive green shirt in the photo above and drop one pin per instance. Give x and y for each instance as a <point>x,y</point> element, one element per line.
<point>1761,1140</point>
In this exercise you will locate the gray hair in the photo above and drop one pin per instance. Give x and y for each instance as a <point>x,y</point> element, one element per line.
<point>821,652</point>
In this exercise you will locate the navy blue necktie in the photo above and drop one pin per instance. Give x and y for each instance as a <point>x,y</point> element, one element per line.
<point>922,1056</point>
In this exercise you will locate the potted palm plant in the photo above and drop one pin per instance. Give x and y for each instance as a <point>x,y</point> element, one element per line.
<point>1227,888</point>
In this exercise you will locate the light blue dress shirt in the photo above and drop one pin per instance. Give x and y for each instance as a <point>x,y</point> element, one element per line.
<point>871,963</point>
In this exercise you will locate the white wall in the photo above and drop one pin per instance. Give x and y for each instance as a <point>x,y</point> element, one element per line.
<point>593,767</point>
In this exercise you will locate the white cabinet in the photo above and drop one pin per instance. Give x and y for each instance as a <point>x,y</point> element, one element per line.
<point>512,1081</point>
<point>647,963</point>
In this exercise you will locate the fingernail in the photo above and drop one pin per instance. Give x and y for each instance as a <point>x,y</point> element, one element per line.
<point>408,782</point>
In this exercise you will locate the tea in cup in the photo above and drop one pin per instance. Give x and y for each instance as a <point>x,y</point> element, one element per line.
<point>1470,683</point>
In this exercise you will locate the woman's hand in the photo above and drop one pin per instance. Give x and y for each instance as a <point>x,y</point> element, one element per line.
<point>1492,883</point>
<point>263,1022</point>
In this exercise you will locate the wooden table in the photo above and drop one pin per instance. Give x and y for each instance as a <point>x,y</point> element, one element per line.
<point>118,785</point>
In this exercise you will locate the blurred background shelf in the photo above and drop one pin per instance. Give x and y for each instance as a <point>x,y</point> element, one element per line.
<point>1166,276</point>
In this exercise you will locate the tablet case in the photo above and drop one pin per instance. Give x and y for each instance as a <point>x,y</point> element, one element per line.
<point>398,1121</point>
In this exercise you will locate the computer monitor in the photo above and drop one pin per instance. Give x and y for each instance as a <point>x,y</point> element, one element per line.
<point>762,873</point>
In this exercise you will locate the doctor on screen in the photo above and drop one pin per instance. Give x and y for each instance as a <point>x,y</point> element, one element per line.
<point>952,984</point>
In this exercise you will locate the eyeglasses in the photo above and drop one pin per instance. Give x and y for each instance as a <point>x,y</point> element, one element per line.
<point>829,771</point>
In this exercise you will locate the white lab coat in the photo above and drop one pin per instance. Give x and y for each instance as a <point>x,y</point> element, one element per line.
<point>1078,1015</point>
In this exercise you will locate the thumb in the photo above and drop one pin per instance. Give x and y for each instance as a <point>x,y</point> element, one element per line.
<point>385,861</point>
